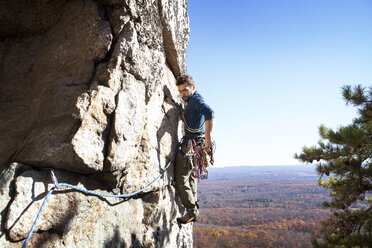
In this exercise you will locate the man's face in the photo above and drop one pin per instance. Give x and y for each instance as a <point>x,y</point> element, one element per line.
<point>186,91</point>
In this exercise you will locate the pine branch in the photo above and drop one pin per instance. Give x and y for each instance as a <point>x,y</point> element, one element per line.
<point>345,154</point>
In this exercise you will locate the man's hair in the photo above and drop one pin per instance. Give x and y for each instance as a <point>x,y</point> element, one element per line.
<point>185,79</point>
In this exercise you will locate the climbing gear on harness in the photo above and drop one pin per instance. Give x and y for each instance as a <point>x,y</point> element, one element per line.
<point>200,157</point>
<point>187,219</point>
<point>191,130</point>
<point>57,185</point>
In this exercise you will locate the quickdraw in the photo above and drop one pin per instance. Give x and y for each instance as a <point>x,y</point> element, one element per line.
<point>199,155</point>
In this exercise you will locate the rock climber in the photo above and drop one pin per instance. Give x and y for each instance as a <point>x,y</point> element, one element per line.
<point>198,122</point>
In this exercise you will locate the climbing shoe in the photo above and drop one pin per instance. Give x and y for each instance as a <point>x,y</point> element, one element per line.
<point>187,219</point>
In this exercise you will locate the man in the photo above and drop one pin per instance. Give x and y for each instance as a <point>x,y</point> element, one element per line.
<point>198,121</point>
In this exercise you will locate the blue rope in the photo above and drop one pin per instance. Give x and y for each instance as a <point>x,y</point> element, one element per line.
<point>57,185</point>
<point>38,216</point>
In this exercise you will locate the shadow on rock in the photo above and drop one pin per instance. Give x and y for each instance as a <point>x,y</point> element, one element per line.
<point>116,241</point>
<point>168,124</point>
<point>49,237</point>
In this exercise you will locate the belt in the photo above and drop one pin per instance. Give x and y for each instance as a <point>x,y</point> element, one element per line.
<point>190,136</point>
<point>199,138</point>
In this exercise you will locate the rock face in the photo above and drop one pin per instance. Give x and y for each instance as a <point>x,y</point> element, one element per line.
<point>87,88</point>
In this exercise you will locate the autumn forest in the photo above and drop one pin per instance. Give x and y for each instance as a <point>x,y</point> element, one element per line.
<point>259,207</point>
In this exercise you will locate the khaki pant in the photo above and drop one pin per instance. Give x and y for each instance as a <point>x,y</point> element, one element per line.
<point>185,184</point>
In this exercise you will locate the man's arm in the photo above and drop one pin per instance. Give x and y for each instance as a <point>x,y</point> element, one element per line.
<point>208,132</point>
<point>208,138</point>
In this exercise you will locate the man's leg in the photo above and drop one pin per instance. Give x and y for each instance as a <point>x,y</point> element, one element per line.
<point>193,186</point>
<point>183,171</point>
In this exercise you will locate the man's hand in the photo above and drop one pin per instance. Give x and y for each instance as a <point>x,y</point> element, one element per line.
<point>211,158</point>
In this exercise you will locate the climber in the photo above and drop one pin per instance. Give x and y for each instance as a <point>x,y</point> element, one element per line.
<point>198,122</point>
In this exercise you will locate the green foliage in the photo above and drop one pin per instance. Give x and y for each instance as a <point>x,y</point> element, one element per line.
<point>344,159</point>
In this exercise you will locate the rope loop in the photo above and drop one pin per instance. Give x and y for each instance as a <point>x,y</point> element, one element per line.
<point>57,185</point>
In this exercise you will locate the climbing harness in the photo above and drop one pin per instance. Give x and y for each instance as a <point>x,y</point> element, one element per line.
<point>198,154</point>
<point>58,185</point>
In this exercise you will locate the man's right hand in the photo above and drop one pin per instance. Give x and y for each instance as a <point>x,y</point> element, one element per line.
<point>211,158</point>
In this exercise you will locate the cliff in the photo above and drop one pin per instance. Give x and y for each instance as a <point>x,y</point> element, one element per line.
<point>87,89</point>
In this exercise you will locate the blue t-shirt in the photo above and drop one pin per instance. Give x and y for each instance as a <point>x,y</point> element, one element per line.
<point>196,112</point>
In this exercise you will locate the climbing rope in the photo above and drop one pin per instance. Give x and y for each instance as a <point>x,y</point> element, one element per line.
<point>191,130</point>
<point>58,185</point>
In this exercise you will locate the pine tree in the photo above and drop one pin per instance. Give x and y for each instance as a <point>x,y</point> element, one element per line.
<point>344,165</point>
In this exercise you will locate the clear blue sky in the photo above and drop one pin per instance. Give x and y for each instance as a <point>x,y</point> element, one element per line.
<point>273,70</point>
